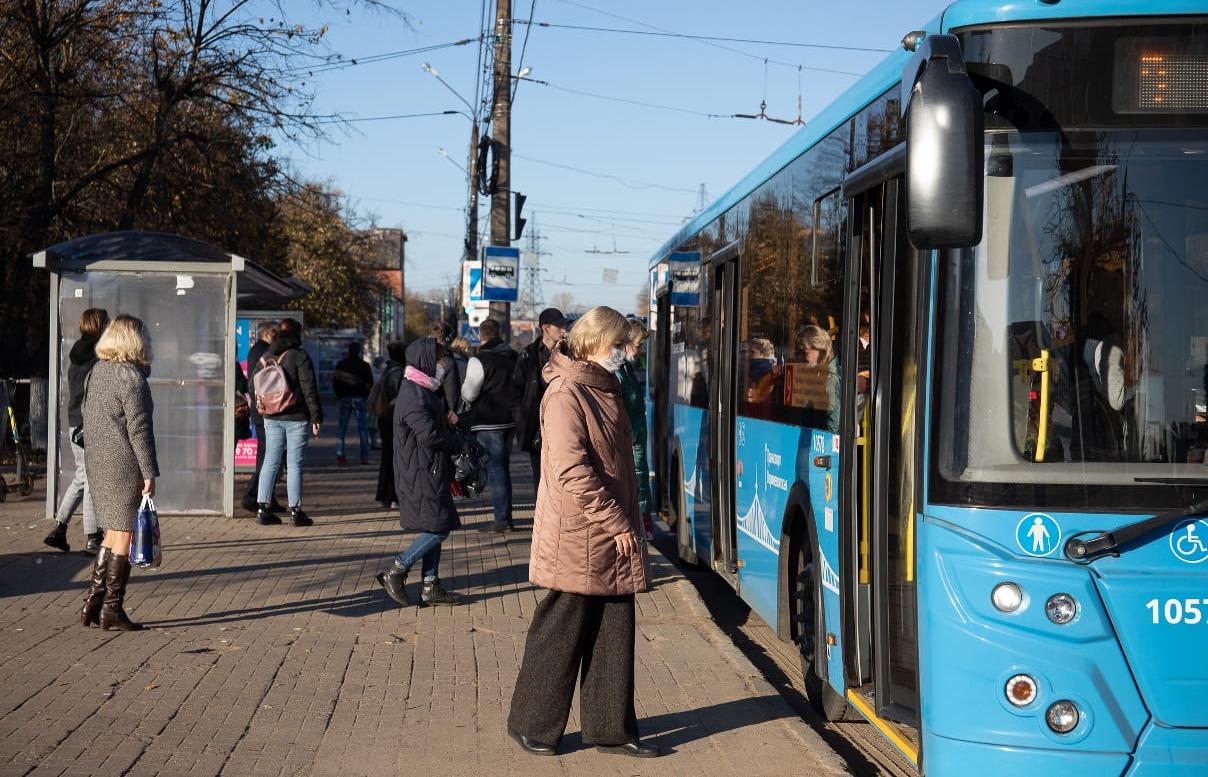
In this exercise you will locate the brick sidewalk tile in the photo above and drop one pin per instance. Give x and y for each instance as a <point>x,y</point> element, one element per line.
<point>272,651</point>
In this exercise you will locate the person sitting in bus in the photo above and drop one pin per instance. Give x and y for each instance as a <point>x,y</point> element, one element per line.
<point>763,373</point>
<point>815,381</point>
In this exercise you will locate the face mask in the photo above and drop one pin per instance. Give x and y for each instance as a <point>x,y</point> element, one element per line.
<point>616,357</point>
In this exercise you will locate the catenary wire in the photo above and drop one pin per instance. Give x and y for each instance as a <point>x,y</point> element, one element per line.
<point>375,58</point>
<point>528,27</point>
<point>608,176</point>
<point>687,36</point>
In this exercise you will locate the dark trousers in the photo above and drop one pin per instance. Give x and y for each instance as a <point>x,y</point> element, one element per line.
<point>385,487</point>
<point>253,485</point>
<point>589,637</point>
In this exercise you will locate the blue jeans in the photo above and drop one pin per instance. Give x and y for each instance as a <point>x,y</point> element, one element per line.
<point>349,405</point>
<point>77,492</point>
<point>281,437</point>
<point>426,546</point>
<point>498,445</point>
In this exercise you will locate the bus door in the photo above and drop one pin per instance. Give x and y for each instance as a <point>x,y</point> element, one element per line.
<point>723,312</point>
<point>659,381</point>
<point>880,346</point>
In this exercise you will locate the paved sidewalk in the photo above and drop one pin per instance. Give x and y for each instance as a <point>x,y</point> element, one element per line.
<point>273,652</point>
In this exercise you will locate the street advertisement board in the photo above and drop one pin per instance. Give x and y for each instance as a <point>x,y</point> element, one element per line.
<point>500,274</point>
<point>683,269</point>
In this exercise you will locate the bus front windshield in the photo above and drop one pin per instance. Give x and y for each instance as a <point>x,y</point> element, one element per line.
<point>1073,354</point>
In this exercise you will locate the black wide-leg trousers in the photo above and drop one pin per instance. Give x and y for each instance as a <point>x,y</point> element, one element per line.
<point>585,637</point>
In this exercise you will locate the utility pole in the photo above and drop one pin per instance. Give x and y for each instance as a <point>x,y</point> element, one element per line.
<point>472,224</point>
<point>501,152</point>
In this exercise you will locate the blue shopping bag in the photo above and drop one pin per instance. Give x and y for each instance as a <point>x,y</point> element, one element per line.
<point>145,550</point>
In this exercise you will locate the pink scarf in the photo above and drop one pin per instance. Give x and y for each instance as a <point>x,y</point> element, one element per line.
<point>420,379</point>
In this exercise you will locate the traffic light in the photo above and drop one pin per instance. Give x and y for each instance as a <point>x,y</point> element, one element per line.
<point>518,204</point>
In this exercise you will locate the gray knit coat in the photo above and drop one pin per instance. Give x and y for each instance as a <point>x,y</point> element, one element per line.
<point>119,442</point>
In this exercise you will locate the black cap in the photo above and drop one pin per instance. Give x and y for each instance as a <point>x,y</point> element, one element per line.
<point>551,316</point>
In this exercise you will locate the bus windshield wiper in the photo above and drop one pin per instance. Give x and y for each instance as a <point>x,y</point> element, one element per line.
<point>1108,543</point>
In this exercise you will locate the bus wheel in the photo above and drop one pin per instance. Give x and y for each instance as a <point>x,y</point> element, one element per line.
<point>808,631</point>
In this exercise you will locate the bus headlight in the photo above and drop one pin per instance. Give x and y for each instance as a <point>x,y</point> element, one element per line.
<point>1006,597</point>
<point>1062,717</point>
<point>1021,690</point>
<point>1061,608</point>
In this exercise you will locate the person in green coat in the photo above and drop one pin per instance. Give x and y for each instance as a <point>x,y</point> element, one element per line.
<point>635,405</point>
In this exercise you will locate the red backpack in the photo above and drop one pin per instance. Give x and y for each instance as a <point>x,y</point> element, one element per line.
<point>274,395</point>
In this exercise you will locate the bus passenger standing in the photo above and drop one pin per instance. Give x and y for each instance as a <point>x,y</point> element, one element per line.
<point>586,550</point>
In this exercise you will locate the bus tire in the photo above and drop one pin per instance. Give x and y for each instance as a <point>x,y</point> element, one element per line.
<point>683,542</point>
<point>810,634</point>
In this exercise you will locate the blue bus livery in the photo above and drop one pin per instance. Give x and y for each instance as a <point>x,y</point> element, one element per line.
<point>929,389</point>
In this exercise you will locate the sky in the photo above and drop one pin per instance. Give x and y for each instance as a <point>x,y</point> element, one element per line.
<point>637,169</point>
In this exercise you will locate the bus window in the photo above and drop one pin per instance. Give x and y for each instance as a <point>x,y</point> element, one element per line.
<point>768,251</point>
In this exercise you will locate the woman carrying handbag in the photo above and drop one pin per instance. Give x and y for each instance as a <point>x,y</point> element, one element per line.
<point>120,458</point>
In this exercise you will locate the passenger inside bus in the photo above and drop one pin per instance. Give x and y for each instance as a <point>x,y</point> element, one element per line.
<point>813,382</point>
<point>763,375</point>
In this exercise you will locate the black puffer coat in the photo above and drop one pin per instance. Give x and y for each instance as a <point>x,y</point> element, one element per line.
<point>423,441</point>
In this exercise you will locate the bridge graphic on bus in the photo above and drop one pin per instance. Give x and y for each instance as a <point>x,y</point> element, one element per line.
<point>755,525</point>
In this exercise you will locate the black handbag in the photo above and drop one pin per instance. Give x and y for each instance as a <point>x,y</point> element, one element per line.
<point>470,467</point>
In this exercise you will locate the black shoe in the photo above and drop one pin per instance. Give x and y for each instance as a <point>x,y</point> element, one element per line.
<point>58,538</point>
<point>633,749</point>
<point>495,528</point>
<point>386,505</point>
<point>433,593</point>
<point>300,518</point>
<point>265,517</point>
<point>531,746</point>
<point>395,584</point>
<point>94,542</point>
<point>249,503</point>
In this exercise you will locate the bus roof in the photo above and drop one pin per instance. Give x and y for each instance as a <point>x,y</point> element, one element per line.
<point>963,13</point>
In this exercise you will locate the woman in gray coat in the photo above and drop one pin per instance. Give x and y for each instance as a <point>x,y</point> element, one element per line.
<point>119,455</point>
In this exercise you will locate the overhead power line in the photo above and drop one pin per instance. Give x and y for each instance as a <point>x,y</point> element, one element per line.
<point>388,118</point>
<point>339,62</point>
<point>687,36</point>
<point>593,174</point>
<point>628,101</point>
<point>714,44</point>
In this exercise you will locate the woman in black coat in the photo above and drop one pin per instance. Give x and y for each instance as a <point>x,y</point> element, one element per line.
<point>424,438</point>
<point>392,381</point>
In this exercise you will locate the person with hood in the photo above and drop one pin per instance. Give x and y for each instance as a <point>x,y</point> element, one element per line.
<point>587,550</point>
<point>288,431</point>
<point>119,447</point>
<point>424,438</point>
<point>82,357</point>
<point>487,392</point>
<point>392,378</point>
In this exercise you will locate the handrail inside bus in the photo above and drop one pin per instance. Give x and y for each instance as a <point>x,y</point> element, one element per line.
<point>1041,365</point>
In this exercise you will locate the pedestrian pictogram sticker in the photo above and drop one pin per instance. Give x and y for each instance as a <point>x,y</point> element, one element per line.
<point>1038,534</point>
<point>1188,541</point>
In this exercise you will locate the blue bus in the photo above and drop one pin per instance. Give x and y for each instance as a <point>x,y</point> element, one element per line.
<point>928,389</point>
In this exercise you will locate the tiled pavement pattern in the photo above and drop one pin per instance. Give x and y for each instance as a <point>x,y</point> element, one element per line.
<point>272,652</point>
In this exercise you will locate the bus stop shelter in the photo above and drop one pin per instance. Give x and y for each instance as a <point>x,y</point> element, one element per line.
<point>187,292</point>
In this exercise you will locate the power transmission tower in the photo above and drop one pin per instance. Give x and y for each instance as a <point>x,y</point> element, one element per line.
<point>702,200</point>
<point>501,151</point>
<point>532,296</point>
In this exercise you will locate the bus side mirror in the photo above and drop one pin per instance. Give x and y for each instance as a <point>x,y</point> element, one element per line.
<point>945,147</point>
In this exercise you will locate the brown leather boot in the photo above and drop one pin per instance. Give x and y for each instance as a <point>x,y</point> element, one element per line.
<point>91,614</point>
<point>117,574</point>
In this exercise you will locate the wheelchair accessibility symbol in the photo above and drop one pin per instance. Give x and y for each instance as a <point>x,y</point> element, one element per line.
<point>1038,534</point>
<point>1189,541</point>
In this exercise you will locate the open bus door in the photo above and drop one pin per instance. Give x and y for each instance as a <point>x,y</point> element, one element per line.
<point>723,313</point>
<point>878,500</point>
<point>658,382</point>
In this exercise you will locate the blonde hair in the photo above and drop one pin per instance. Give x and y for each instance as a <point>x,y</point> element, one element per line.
<point>598,330</point>
<point>637,333</point>
<point>125,340</point>
<point>816,338</point>
<point>460,346</point>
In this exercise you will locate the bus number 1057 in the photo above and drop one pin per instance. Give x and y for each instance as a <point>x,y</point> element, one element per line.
<point>1177,610</point>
